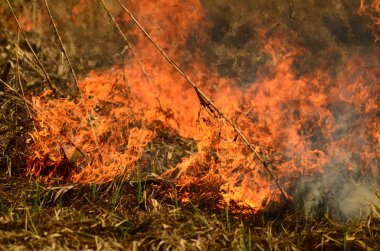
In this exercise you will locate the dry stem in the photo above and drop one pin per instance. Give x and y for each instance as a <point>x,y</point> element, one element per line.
<point>206,101</point>
<point>73,73</point>
<point>33,52</point>
<point>129,45</point>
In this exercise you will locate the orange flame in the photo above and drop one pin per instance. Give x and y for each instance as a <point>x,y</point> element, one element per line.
<point>302,125</point>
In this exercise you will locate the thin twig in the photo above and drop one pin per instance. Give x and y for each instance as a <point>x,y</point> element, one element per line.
<point>126,40</point>
<point>291,5</point>
<point>73,73</point>
<point>29,61</point>
<point>130,47</point>
<point>61,43</point>
<point>33,52</point>
<point>19,76</point>
<point>206,101</point>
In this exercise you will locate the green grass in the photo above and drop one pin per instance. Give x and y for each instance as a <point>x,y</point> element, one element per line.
<point>117,187</point>
<point>37,200</point>
<point>93,190</point>
<point>139,186</point>
<point>29,222</point>
<point>228,219</point>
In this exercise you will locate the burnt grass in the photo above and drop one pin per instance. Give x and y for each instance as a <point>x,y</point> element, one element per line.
<point>150,213</point>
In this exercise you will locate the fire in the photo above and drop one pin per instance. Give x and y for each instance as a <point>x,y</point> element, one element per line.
<point>300,125</point>
<point>373,11</point>
<point>94,145</point>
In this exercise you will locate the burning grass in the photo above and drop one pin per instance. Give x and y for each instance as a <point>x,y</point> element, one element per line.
<point>129,156</point>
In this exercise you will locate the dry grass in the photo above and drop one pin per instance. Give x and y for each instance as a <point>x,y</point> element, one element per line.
<point>109,216</point>
<point>139,214</point>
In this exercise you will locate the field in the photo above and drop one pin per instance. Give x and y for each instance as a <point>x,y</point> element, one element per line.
<point>113,216</point>
<point>107,144</point>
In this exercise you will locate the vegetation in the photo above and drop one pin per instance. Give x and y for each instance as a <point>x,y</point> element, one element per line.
<point>72,216</point>
<point>138,210</point>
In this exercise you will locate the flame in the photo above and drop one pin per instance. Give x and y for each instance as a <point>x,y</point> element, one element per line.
<point>373,11</point>
<point>92,137</point>
<point>300,125</point>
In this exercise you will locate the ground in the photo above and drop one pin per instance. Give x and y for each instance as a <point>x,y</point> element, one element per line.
<point>146,212</point>
<point>115,216</point>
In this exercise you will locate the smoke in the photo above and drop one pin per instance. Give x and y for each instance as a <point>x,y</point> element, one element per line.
<point>346,188</point>
<point>332,121</point>
<point>356,200</point>
<point>329,34</point>
<point>333,193</point>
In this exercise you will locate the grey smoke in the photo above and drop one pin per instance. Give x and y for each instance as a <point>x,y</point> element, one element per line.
<point>357,199</point>
<point>336,194</point>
